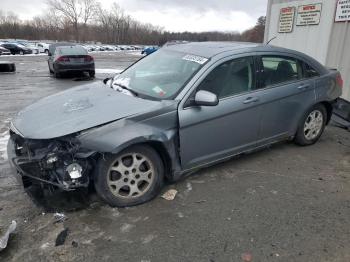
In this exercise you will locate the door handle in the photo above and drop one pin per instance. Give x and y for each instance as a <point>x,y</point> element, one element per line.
<point>302,87</point>
<point>251,100</point>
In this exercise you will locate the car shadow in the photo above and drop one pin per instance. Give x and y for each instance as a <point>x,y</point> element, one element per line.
<point>75,76</point>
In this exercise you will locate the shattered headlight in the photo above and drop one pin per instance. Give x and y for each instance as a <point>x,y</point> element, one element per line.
<point>51,158</point>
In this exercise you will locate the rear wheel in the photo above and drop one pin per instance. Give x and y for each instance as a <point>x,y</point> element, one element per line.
<point>311,126</point>
<point>56,74</point>
<point>131,177</point>
<point>51,72</point>
<point>92,74</point>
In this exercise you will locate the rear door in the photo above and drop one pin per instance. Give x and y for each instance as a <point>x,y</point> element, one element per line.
<point>210,133</point>
<point>286,93</point>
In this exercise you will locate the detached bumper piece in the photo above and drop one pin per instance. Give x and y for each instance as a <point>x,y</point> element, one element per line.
<point>60,163</point>
<point>341,114</point>
<point>7,67</point>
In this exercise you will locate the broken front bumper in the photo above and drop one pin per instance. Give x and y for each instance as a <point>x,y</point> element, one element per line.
<point>11,156</point>
<point>60,169</point>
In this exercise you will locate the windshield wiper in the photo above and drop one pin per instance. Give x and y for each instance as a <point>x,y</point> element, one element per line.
<point>127,88</point>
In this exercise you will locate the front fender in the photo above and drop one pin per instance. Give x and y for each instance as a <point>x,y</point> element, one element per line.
<point>115,137</point>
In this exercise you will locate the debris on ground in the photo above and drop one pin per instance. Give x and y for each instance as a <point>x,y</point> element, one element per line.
<point>125,228</point>
<point>189,186</point>
<point>247,257</point>
<point>200,201</point>
<point>4,239</point>
<point>59,217</point>
<point>170,194</point>
<point>7,66</point>
<point>61,238</point>
<point>75,244</point>
<point>341,114</point>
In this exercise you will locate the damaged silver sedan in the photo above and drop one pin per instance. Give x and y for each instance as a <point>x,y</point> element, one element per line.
<point>184,107</point>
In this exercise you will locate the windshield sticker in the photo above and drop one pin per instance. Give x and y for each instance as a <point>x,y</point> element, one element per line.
<point>197,59</point>
<point>159,91</point>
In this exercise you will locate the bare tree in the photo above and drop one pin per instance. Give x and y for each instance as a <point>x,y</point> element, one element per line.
<point>86,20</point>
<point>75,12</point>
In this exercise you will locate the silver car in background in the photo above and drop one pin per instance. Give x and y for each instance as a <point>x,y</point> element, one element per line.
<point>179,109</point>
<point>70,58</point>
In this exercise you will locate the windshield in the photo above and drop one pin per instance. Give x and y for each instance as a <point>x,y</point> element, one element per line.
<point>160,75</point>
<point>71,50</point>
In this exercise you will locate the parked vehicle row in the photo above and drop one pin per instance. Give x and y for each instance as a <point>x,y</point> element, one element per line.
<point>22,47</point>
<point>16,48</point>
<point>92,48</point>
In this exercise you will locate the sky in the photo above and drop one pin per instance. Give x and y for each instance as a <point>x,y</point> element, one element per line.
<point>172,15</point>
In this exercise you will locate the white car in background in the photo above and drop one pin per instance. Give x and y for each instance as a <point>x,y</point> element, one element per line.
<point>43,47</point>
<point>32,47</point>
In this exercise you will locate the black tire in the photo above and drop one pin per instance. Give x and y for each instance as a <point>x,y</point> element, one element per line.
<point>103,174</point>
<point>51,72</point>
<point>300,137</point>
<point>56,74</point>
<point>92,74</point>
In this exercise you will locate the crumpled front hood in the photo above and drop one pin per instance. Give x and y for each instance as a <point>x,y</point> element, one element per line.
<point>78,109</point>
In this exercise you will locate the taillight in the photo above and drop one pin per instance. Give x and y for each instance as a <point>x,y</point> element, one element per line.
<point>340,81</point>
<point>63,59</point>
<point>89,58</point>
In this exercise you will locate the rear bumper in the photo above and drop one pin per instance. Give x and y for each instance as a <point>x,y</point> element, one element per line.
<point>62,68</point>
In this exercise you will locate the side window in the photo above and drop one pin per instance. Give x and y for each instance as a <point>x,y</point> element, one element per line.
<point>309,71</point>
<point>230,78</point>
<point>279,69</point>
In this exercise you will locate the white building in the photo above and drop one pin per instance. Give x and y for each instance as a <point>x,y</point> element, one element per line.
<point>319,28</point>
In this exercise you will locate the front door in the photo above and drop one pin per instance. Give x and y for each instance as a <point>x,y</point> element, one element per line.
<point>210,133</point>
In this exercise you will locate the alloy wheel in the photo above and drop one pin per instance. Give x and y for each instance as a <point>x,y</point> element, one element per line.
<point>130,176</point>
<point>313,125</point>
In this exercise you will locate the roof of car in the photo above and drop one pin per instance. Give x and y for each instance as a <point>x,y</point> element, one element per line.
<point>210,49</point>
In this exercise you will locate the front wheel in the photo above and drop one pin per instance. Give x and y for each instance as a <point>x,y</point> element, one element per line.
<point>92,74</point>
<point>21,53</point>
<point>131,177</point>
<point>311,126</point>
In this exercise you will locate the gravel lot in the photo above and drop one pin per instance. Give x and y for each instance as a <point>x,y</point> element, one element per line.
<point>284,203</point>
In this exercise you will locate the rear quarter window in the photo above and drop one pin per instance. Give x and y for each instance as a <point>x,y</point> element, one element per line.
<point>309,71</point>
<point>280,69</point>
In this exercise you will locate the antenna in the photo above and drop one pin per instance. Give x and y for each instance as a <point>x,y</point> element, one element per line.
<point>273,38</point>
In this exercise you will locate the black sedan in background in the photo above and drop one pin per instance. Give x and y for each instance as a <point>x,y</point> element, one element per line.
<point>17,49</point>
<point>72,58</point>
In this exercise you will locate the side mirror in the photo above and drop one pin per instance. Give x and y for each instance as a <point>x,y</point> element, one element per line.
<point>206,98</point>
<point>108,81</point>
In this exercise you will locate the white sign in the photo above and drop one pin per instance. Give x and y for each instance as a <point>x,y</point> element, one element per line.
<point>343,11</point>
<point>286,21</point>
<point>197,59</point>
<point>309,14</point>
